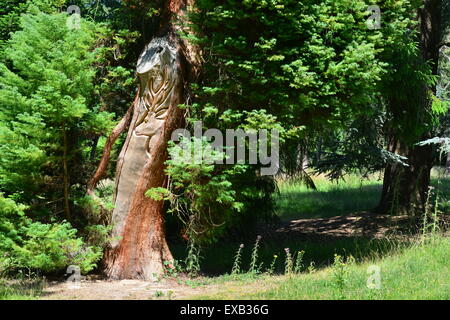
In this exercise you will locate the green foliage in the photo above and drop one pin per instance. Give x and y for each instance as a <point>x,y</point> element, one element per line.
<point>47,92</point>
<point>53,87</point>
<point>304,62</point>
<point>211,198</point>
<point>271,269</point>
<point>25,244</point>
<point>237,261</point>
<point>158,194</point>
<point>254,266</point>
<point>200,195</point>
<point>299,261</point>
<point>404,100</point>
<point>298,67</point>
<point>193,259</point>
<point>288,262</point>
<point>340,275</point>
<point>58,88</point>
<point>10,11</point>
<point>356,148</point>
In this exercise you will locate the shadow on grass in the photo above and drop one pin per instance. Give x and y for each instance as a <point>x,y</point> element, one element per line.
<point>218,259</point>
<point>319,238</point>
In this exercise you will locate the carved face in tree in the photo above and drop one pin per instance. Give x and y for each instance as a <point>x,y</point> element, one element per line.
<point>156,78</point>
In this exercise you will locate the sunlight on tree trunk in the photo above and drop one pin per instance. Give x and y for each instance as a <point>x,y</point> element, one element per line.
<point>139,248</point>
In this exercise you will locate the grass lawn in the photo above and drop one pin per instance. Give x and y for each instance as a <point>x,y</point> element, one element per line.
<point>353,194</point>
<point>420,271</point>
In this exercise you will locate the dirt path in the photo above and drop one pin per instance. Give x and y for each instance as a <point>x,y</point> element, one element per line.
<point>122,290</point>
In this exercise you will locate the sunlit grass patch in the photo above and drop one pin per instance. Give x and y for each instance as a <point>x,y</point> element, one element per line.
<point>351,195</point>
<point>419,271</point>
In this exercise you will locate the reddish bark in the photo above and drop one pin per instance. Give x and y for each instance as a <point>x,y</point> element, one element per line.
<point>140,248</point>
<point>120,127</point>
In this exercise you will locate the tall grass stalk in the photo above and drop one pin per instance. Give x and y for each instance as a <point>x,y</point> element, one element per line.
<point>237,260</point>
<point>289,263</point>
<point>299,261</point>
<point>254,258</point>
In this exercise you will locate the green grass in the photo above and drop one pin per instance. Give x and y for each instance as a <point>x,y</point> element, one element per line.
<point>353,194</point>
<point>419,271</point>
<point>28,289</point>
<point>218,259</point>
<point>296,201</point>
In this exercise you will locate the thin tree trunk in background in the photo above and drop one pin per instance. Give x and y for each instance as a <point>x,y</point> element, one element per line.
<point>139,249</point>
<point>405,187</point>
<point>447,166</point>
<point>66,176</point>
<point>94,148</point>
<point>101,169</point>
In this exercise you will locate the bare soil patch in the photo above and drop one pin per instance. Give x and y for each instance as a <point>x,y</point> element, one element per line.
<point>122,290</point>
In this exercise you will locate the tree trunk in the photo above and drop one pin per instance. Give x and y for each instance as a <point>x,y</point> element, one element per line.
<point>66,176</point>
<point>139,248</point>
<point>405,187</point>
<point>120,127</point>
<point>447,163</point>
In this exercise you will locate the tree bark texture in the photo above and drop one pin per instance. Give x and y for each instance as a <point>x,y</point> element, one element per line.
<point>405,188</point>
<point>139,248</point>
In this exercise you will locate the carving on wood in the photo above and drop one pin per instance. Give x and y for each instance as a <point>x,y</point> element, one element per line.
<point>159,88</point>
<point>158,76</point>
<point>139,249</point>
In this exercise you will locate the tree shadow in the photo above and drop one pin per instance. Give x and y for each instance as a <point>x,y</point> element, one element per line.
<point>321,223</point>
<point>363,235</point>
